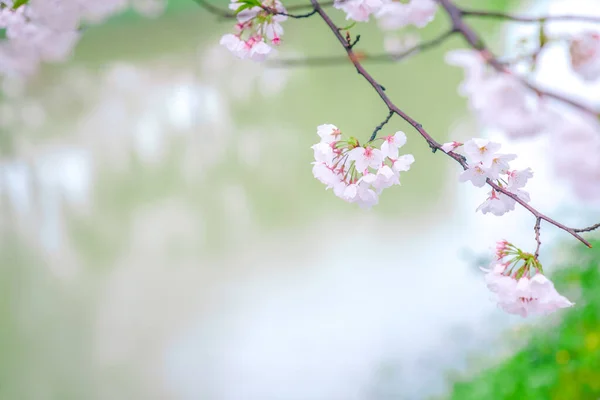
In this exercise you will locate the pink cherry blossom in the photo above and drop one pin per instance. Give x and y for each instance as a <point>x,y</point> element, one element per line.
<point>329,133</point>
<point>402,163</point>
<point>395,15</point>
<point>357,174</point>
<point>391,144</point>
<point>481,151</point>
<point>358,10</point>
<point>366,157</point>
<point>476,174</point>
<point>519,285</point>
<point>497,203</point>
<point>518,179</point>
<point>500,165</point>
<point>450,146</point>
<point>255,28</point>
<point>584,50</point>
<point>535,296</point>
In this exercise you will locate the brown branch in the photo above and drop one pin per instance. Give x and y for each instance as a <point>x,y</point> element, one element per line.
<point>528,20</point>
<point>377,58</point>
<point>536,229</point>
<point>589,228</point>
<point>473,39</point>
<point>433,144</point>
<point>381,125</point>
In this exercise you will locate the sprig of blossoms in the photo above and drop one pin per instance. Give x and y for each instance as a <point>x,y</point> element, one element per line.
<point>518,281</point>
<point>358,173</point>
<point>486,163</point>
<point>39,31</point>
<point>258,28</point>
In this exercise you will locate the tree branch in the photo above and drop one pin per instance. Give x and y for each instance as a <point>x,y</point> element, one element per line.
<point>376,58</point>
<point>528,20</point>
<point>589,228</point>
<point>536,229</point>
<point>381,125</point>
<point>433,144</point>
<point>473,39</point>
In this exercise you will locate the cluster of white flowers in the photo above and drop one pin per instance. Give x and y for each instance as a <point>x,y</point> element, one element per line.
<point>584,49</point>
<point>392,14</point>
<point>48,30</point>
<point>486,163</point>
<point>517,280</point>
<point>258,26</point>
<point>358,174</point>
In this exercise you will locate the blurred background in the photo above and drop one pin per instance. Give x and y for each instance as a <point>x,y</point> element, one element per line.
<point>163,236</point>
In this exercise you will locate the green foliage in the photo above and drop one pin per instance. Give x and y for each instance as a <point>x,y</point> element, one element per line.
<point>558,363</point>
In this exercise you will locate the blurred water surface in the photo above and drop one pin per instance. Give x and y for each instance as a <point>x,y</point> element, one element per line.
<point>163,237</point>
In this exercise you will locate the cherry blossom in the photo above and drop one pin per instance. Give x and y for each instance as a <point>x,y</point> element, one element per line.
<point>485,163</point>
<point>450,146</point>
<point>575,157</point>
<point>395,14</point>
<point>500,165</point>
<point>358,173</point>
<point>359,10</point>
<point>257,28</point>
<point>48,30</point>
<point>499,99</point>
<point>402,163</point>
<point>481,151</point>
<point>584,50</point>
<point>519,284</point>
<point>497,203</point>
<point>366,157</point>
<point>476,174</point>
<point>391,144</point>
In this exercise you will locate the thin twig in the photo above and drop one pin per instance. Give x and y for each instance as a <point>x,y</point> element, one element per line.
<point>381,125</point>
<point>589,228</point>
<point>536,229</point>
<point>326,61</point>
<point>230,15</point>
<point>456,16</point>
<point>430,140</point>
<point>528,20</point>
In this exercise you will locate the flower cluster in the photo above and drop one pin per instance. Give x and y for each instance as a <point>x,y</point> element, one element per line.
<point>358,174</point>
<point>498,99</point>
<point>486,163</point>
<point>585,55</point>
<point>520,286</point>
<point>258,26</point>
<point>48,30</point>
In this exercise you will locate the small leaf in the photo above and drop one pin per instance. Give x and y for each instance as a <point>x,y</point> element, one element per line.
<point>348,27</point>
<point>19,3</point>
